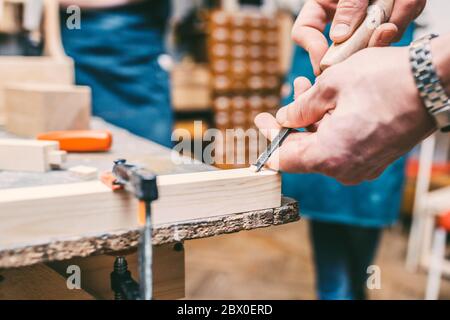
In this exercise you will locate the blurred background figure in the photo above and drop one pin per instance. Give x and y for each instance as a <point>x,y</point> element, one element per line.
<point>117,52</point>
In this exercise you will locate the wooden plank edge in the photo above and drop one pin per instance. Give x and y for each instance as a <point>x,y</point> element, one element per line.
<point>128,239</point>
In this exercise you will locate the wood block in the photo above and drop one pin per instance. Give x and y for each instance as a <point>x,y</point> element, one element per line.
<point>39,214</point>
<point>84,172</point>
<point>30,155</point>
<point>32,109</point>
<point>168,273</point>
<point>37,282</point>
<point>10,14</point>
<point>34,69</point>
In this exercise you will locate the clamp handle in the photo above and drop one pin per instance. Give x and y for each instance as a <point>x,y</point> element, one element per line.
<point>141,181</point>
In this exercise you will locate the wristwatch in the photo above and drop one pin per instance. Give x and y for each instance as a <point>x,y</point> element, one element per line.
<point>428,83</point>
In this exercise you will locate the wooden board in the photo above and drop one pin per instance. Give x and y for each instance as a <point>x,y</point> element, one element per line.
<point>29,155</point>
<point>33,69</point>
<point>34,108</point>
<point>38,214</point>
<point>168,272</point>
<point>37,282</point>
<point>83,246</point>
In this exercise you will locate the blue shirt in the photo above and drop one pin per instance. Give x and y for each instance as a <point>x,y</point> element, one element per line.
<point>116,53</point>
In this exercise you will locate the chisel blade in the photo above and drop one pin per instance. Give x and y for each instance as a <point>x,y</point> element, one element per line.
<point>274,145</point>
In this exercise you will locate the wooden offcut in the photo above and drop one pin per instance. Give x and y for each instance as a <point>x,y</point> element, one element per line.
<point>39,214</point>
<point>30,155</point>
<point>84,172</point>
<point>33,108</point>
<point>31,70</point>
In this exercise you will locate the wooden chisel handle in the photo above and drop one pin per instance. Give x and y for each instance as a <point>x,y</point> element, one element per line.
<point>378,13</point>
<point>80,140</point>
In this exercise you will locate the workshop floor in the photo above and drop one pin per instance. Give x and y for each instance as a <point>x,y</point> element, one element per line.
<point>276,263</point>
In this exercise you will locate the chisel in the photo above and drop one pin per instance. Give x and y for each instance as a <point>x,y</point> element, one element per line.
<point>378,13</point>
<point>276,142</point>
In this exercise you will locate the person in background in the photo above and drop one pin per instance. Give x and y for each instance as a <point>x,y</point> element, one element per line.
<point>116,52</point>
<point>346,222</point>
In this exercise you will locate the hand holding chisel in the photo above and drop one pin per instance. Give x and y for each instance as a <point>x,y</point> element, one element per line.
<point>378,13</point>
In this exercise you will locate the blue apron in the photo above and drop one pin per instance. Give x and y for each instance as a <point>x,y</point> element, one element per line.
<point>116,53</point>
<point>369,204</point>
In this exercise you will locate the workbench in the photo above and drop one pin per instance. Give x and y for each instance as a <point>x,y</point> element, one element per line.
<point>156,158</point>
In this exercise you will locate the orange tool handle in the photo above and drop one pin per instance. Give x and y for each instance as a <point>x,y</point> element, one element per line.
<point>80,140</point>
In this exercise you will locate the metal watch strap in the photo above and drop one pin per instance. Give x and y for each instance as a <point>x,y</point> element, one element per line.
<point>428,83</point>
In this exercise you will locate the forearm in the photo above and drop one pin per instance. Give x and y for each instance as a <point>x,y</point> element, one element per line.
<point>440,48</point>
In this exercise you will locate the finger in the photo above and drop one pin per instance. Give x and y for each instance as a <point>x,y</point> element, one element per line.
<point>301,85</point>
<point>267,125</point>
<point>384,35</point>
<point>298,153</point>
<point>308,108</point>
<point>404,12</point>
<point>315,126</point>
<point>308,32</point>
<point>349,15</point>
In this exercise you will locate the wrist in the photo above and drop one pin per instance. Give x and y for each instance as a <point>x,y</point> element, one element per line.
<point>440,49</point>
<point>425,57</point>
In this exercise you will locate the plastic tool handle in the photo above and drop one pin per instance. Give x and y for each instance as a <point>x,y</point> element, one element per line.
<point>80,140</point>
<point>378,13</point>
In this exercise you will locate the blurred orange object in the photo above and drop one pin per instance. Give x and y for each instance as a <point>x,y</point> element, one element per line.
<point>412,168</point>
<point>443,221</point>
<point>80,140</point>
<point>109,180</point>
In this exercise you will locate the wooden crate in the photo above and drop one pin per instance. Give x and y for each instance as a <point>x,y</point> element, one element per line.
<point>191,89</point>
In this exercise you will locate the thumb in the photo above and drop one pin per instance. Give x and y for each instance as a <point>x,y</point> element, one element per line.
<point>349,15</point>
<point>309,108</point>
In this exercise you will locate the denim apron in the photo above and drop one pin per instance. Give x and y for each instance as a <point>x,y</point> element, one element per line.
<point>370,204</point>
<point>116,53</point>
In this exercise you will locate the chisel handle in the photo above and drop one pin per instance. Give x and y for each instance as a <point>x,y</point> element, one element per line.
<point>378,13</point>
<point>80,140</point>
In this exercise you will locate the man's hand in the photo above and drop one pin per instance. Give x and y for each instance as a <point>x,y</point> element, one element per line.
<point>346,16</point>
<point>362,114</point>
